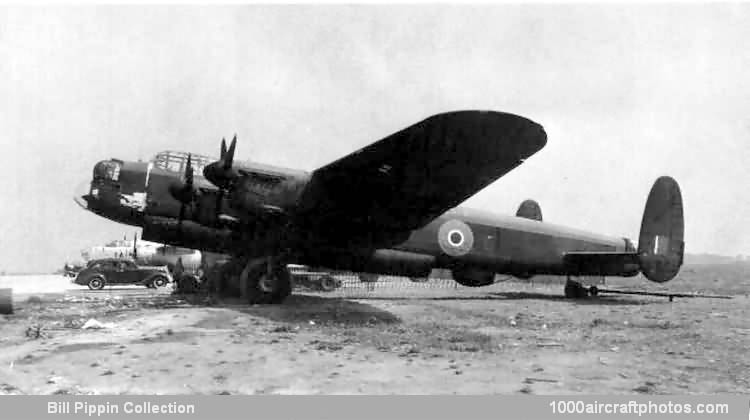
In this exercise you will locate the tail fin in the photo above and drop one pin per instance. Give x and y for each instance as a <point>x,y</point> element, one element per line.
<point>661,242</point>
<point>530,209</point>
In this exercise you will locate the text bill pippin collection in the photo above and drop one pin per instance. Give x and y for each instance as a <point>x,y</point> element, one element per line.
<point>126,407</point>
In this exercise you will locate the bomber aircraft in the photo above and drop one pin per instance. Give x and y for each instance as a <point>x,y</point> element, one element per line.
<point>388,208</point>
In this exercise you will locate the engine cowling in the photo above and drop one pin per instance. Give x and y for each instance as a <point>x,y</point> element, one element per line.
<point>472,276</point>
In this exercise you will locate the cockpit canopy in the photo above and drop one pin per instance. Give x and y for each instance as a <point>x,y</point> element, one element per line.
<point>175,161</point>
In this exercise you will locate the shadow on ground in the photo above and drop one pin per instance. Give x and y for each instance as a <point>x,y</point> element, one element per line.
<point>598,300</point>
<point>304,308</point>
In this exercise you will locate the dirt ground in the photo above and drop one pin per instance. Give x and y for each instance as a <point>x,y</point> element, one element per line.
<point>508,338</point>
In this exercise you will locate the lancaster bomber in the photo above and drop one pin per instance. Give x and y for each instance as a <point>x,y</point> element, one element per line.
<point>389,208</point>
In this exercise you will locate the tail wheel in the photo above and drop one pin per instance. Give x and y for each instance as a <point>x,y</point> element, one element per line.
<point>96,283</point>
<point>575,290</point>
<point>263,285</point>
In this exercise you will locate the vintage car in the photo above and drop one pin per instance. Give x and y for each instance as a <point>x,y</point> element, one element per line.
<point>112,271</point>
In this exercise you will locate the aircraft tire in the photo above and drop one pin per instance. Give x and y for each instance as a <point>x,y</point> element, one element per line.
<point>574,290</point>
<point>261,289</point>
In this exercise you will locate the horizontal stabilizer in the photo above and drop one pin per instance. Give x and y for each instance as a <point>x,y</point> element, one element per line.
<point>602,263</point>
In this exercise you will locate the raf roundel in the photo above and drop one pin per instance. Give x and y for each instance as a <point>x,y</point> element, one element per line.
<point>455,238</point>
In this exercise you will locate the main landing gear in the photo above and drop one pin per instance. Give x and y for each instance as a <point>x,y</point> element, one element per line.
<point>576,290</point>
<point>256,280</point>
<point>265,280</point>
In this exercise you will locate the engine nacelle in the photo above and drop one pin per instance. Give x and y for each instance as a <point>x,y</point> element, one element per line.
<point>188,234</point>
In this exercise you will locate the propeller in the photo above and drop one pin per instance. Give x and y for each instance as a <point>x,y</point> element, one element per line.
<point>184,192</point>
<point>221,173</point>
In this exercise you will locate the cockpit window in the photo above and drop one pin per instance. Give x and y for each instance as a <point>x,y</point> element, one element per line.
<point>174,161</point>
<point>107,170</point>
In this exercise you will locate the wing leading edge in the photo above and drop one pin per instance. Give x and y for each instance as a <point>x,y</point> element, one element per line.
<point>405,180</point>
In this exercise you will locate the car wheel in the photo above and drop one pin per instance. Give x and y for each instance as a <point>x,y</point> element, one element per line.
<point>328,284</point>
<point>158,282</point>
<point>96,283</point>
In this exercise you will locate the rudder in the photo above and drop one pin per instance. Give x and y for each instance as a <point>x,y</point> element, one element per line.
<point>661,241</point>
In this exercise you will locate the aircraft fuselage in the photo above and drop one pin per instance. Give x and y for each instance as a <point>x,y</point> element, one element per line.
<point>137,194</point>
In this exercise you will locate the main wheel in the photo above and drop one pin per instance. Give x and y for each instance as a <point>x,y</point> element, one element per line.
<point>96,283</point>
<point>262,285</point>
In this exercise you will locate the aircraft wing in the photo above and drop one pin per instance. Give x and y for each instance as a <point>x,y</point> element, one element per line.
<point>405,180</point>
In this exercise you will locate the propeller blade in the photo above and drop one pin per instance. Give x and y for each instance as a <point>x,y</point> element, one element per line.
<point>135,247</point>
<point>229,156</point>
<point>223,149</point>
<point>189,173</point>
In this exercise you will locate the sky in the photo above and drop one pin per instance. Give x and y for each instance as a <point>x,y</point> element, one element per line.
<point>626,93</point>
